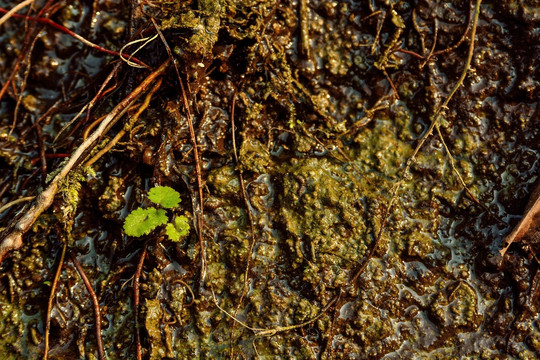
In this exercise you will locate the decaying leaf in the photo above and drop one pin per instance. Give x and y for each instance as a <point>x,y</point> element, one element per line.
<point>529,226</point>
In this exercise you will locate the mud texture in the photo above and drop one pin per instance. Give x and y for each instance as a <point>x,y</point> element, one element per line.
<point>305,114</point>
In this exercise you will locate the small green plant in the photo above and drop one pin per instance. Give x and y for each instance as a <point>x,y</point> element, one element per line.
<point>142,221</point>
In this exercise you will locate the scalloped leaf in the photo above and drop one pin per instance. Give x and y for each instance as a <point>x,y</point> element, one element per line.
<point>142,221</point>
<point>179,229</point>
<point>165,196</point>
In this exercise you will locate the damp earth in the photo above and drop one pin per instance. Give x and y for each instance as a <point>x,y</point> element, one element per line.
<point>317,229</point>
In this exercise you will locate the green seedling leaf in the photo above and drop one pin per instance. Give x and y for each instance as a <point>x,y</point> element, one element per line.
<point>179,229</point>
<point>143,221</point>
<point>164,196</point>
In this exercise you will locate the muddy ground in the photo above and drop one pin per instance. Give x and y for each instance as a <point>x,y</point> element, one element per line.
<point>301,244</point>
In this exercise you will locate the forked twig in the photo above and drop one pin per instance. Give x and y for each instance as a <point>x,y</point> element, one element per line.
<point>127,126</point>
<point>11,237</point>
<point>88,107</point>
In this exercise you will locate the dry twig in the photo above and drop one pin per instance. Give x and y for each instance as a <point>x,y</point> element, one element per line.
<point>11,238</point>
<point>11,12</point>
<point>198,215</point>
<point>95,303</point>
<point>50,302</point>
<point>47,21</point>
<point>136,301</point>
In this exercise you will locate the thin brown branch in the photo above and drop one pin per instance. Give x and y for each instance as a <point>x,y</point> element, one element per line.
<point>127,126</point>
<point>462,181</point>
<point>50,302</point>
<point>11,237</point>
<point>412,159</point>
<point>42,157</point>
<point>136,278</point>
<point>88,107</point>
<point>436,33</point>
<point>461,40</point>
<point>409,52</point>
<point>251,223</point>
<point>95,303</point>
<point>16,8</point>
<point>199,215</point>
<point>49,22</point>
<point>25,50</point>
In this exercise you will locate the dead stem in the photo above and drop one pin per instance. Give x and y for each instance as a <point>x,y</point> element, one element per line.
<point>127,126</point>
<point>88,107</point>
<point>11,237</point>
<point>50,302</point>
<point>16,8</point>
<point>49,22</point>
<point>25,50</point>
<point>436,31</point>
<point>251,221</point>
<point>460,178</point>
<point>259,332</point>
<point>412,159</point>
<point>136,278</point>
<point>95,303</point>
<point>15,202</point>
<point>198,215</point>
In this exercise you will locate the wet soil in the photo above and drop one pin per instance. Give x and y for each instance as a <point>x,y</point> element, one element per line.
<point>304,114</point>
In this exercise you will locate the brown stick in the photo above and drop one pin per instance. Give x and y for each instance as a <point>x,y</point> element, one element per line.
<point>51,23</point>
<point>95,303</point>
<point>50,302</point>
<point>11,238</point>
<point>200,216</point>
<point>136,301</point>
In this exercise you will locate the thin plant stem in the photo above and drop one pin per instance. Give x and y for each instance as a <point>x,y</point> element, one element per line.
<point>199,215</point>
<point>16,8</point>
<point>50,302</point>
<point>136,278</point>
<point>412,159</point>
<point>11,237</point>
<point>95,303</point>
<point>86,42</point>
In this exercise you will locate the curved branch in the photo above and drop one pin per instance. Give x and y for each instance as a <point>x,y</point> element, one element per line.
<point>11,237</point>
